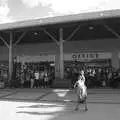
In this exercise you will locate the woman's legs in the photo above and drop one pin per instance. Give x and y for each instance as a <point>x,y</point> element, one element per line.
<point>78,104</point>
<point>82,99</point>
<point>86,108</point>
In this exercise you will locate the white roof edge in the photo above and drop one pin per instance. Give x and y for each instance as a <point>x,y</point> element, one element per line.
<point>61,19</point>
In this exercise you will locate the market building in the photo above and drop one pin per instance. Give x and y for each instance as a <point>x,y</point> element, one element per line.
<point>87,39</point>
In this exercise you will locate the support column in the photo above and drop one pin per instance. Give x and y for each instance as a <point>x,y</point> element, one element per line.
<point>57,64</point>
<point>61,55</point>
<point>60,82</point>
<point>10,56</point>
<point>115,60</point>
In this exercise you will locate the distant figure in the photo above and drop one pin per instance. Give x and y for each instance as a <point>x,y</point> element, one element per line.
<point>32,80</point>
<point>36,74</point>
<point>81,91</point>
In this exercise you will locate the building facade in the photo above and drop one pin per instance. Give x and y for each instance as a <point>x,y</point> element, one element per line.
<point>105,50</point>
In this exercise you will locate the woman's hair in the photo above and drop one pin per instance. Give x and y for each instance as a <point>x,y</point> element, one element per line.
<point>79,76</point>
<point>82,72</point>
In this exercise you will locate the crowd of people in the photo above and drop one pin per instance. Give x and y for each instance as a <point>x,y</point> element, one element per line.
<point>42,75</point>
<point>32,75</point>
<point>95,76</point>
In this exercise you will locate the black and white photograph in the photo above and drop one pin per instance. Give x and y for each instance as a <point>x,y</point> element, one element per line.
<point>59,59</point>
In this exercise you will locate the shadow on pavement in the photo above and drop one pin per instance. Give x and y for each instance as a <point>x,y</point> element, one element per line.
<point>53,113</point>
<point>41,106</point>
<point>60,104</point>
<point>50,109</point>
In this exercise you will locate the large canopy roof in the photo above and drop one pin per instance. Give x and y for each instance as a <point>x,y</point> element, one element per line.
<point>92,26</point>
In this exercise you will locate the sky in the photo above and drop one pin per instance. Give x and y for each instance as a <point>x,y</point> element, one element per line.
<point>17,10</point>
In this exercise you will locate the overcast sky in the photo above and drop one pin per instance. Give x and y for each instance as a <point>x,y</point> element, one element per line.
<point>14,10</point>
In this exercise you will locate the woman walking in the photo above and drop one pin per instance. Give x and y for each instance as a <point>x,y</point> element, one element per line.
<point>81,91</point>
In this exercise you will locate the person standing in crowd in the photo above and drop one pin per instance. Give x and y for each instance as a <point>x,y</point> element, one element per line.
<point>27,79</point>
<point>31,80</point>
<point>42,79</point>
<point>22,79</point>
<point>51,77</point>
<point>109,77</point>
<point>98,73</point>
<point>46,79</point>
<point>36,74</point>
<point>103,78</point>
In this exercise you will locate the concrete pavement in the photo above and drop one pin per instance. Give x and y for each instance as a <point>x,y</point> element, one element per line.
<point>60,95</point>
<point>58,104</point>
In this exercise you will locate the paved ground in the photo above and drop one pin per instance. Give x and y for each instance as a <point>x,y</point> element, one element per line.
<point>58,104</point>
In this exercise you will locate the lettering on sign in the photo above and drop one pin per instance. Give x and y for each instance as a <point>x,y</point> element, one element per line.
<point>84,56</point>
<point>87,56</point>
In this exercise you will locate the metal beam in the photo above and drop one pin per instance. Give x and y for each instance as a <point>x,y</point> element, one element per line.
<point>10,57</point>
<point>112,31</point>
<point>73,33</point>
<point>52,37</point>
<point>4,41</point>
<point>20,38</point>
<point>61,54</point>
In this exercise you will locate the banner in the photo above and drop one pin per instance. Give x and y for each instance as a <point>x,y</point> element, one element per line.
<point>40,58</point>
<point>87,56</point>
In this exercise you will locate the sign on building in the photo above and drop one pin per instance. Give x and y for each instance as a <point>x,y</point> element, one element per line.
<point>38,58</point>
<point>87,56</point>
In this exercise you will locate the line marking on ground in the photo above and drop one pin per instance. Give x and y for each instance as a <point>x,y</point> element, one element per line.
<point>9,94</point>
<point>42,96</point>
